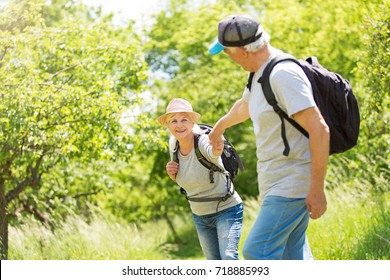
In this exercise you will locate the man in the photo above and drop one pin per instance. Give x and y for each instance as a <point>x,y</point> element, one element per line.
<point>292,186</point>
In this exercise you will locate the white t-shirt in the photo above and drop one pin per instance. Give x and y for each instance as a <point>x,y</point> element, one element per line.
<point>277,174</point>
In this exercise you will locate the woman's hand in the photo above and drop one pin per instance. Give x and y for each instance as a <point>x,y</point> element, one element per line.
<point>172,169</point>
<point>218,148</point>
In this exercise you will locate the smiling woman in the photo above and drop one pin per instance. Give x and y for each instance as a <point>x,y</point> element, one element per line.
<point>217,209</point>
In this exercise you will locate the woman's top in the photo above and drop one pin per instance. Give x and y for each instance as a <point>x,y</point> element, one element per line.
<point>194,178</point>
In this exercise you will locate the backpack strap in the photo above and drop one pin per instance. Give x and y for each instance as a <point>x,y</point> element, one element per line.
<point>209,165</point>
<point>271,99</point>
<point>175,158</point>
<point>250,79</point>
<point>206,199</point>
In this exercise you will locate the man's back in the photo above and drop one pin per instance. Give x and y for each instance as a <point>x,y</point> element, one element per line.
<point>278,174</point>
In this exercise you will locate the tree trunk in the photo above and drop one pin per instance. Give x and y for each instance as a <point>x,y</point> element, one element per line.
<point>170,224</point>
<point>3,222</point>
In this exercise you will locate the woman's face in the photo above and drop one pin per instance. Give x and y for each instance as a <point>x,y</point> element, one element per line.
<point>180,125</point>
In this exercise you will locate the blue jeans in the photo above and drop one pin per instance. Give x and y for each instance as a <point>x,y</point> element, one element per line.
<point>219,233</point>
<point>279,232</point>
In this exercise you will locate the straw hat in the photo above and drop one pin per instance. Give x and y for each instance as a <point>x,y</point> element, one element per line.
<point>178,105</point>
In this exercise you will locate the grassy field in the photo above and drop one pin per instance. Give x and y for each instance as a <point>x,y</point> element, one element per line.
<point>353,228</point>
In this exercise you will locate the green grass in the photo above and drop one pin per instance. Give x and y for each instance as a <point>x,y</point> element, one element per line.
<point>77,240</point>
<point>354,228</point>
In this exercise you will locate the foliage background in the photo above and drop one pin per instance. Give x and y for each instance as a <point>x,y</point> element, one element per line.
<point>80,97</point>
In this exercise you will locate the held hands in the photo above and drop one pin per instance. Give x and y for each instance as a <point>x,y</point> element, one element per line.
<point>216,140</point>
<point>217,144</point>
<point>172,169</point>
<point>219,147</point>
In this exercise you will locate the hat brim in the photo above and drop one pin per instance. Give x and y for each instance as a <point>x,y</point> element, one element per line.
<point>216,47</point>
<point>163,119</point>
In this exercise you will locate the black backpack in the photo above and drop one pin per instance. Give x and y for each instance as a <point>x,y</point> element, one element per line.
<point>230,159</point>
<point>333,96</point>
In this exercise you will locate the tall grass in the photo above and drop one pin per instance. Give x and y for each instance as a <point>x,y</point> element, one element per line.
<point>99,239</point>
<point>354,227</point>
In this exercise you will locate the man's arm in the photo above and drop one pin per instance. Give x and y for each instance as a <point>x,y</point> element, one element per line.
<point>313,122</point>
<point>237,114</point>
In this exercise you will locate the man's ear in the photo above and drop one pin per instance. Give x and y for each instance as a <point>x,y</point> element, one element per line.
<point>244,52</point>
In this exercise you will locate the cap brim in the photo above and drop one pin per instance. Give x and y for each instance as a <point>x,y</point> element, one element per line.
<point>216,47</point>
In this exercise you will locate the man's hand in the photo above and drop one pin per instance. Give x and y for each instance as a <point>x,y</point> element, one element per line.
<point>215,139</point>
<point>316,203</point>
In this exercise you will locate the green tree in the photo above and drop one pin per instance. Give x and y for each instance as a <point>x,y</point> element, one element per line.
<point>64,91</point>
<point>374,76</point>
<point>75,128</point>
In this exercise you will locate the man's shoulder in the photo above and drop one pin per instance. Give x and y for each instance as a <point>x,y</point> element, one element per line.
<point>275,52</point>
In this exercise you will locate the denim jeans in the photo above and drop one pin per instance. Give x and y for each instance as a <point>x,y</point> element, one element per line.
<point>279,232</point>
<point>219,233</point>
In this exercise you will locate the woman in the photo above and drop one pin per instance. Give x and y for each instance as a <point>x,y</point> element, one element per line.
<point>218,221</point>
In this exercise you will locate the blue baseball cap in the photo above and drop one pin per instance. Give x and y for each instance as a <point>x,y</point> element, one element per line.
<point>235,31</point>
<point>216,47</point>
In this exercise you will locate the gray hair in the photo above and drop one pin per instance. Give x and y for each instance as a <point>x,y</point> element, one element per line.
<point>259,43</point>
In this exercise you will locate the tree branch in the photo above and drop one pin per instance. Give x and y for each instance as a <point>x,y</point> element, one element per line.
<point>32,180</point>
<point>66,69</point>
<point>36,212</point>
<point>51,125</point>
<point>4,52</point>
<point>85,194</point>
